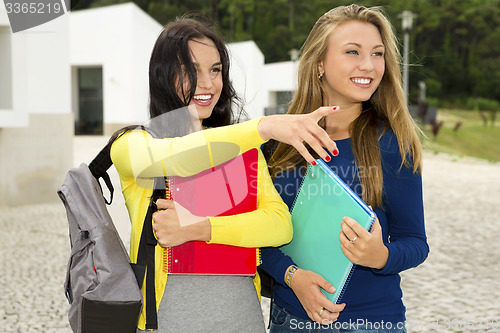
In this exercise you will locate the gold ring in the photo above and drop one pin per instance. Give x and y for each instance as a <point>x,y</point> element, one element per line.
<point>321,311</point>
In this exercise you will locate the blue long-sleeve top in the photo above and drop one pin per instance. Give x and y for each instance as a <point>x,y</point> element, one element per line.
<point>372,295</point>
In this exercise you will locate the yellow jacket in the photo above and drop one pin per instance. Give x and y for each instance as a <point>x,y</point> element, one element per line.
<point>137,157</point>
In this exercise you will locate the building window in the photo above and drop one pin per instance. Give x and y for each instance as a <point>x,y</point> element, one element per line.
<point>5,68</point>
<point>280,101</point>
<point>89,119</point>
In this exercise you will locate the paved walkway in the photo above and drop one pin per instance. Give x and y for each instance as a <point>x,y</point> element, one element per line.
<point>456,290</point>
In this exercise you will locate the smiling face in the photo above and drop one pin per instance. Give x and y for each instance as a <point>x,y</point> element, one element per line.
<point>354,63</point>
<point>207,62</point>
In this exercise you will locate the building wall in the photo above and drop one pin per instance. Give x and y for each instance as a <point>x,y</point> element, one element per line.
<point>36,147</point>
<point>280,80</point>
<point>145,32</point>
<point>5,68</point>
<point>13,110</point>
<point>280,76</point>
<point>35,159</point>
<point>248,74</point>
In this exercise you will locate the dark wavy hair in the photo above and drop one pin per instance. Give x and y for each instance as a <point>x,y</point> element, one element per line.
<point>170,64</point>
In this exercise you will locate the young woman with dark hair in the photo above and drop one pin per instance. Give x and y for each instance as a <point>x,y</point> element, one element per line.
<point>191,110</point>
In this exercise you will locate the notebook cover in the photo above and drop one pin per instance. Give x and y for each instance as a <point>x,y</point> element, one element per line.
<point>227,189</point>
<point>321,203</point>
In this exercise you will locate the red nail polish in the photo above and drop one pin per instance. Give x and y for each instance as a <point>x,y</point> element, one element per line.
<point>335,108</point>
<point>335,152</point>
<point>328,158</point>
<point>313,162</point>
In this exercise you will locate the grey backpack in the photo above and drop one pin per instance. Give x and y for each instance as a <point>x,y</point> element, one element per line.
<point>102,286</point>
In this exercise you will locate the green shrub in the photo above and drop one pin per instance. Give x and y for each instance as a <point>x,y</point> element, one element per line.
<point>482,104</point>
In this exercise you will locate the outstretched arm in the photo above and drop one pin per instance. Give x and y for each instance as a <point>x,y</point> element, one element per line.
<point>136,154</point>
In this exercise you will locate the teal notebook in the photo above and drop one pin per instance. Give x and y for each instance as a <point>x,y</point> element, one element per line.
<point>321,203</point>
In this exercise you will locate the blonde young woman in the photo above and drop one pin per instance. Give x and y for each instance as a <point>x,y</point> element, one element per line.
<point>351,59</point>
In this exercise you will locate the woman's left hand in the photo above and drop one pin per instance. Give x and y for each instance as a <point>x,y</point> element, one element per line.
<point>362,247</point>
<point>174,225</point>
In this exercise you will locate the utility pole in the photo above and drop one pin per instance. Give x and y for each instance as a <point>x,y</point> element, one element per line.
<point>407,24</point>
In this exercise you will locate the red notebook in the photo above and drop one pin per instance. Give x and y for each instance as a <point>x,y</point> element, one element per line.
<point>227,189</point>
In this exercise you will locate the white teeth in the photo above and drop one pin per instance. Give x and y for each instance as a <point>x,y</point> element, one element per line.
<point>202,97</point>
<point>361,81</point>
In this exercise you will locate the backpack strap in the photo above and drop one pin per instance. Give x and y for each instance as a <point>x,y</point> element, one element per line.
<point>99,167</point>
<point>146,259</point>
<point>266,280</point>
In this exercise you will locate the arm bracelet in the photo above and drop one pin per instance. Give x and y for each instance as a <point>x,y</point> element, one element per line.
<point>289,274</point>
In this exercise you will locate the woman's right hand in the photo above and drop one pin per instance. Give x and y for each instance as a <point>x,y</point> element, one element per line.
<point>296,130</point>
<point>175,225</point>
<point>307,287</point>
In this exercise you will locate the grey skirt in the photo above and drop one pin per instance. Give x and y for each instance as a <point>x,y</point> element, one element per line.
<point>204,303</point>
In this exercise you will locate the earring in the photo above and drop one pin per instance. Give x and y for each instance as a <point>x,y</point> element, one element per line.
<point>320,76</point>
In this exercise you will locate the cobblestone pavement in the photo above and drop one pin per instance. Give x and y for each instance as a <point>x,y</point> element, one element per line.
<point>456,290</point>
<point>34,249</point>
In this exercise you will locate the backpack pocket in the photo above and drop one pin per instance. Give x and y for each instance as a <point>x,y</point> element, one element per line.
<point>80,260</point>
<point>109,316</point>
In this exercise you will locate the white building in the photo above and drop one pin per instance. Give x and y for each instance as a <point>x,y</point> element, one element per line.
<point>36,122</point>
<point>115,50</point>
<point>87,73</point>
<point>109,54</point>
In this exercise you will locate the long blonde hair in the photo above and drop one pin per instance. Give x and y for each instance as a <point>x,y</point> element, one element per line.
<point>387,105</point>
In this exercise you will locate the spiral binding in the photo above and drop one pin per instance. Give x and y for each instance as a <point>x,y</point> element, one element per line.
<point>167,257</point>
<point>309,169</point>
<point>259,257</point>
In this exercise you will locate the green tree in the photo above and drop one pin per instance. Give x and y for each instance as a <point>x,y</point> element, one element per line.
<point>455,45</point>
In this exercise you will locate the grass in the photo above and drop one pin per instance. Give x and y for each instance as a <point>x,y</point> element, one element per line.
<point>472,139</point>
